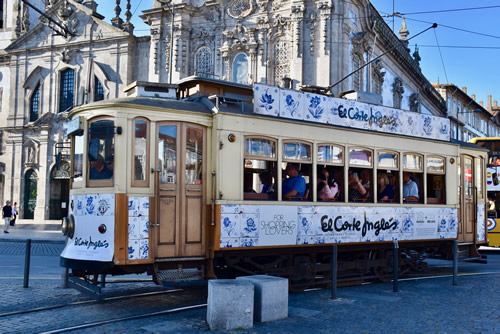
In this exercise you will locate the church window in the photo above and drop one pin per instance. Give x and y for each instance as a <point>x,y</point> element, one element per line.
<point>240,69</point>
<point>240,8</point>
<point>203,61</point>
<point>98,91</point>
<point>66,89</point>
<point>281,60</point>
<point>35,104</point>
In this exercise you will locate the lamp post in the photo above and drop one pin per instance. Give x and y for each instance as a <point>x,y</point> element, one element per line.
<point>171,63</point>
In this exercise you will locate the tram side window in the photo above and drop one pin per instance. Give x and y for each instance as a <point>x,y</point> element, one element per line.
<point>330,173</point>
<point>296,171</point>
<point>140,153</point>
<point>412,178</point>
<point>436,180</point>
<point>387,177</point>
<point>360,173</point>
<point>77,163</point>
<point>260,168</point>
<point>101,152</point>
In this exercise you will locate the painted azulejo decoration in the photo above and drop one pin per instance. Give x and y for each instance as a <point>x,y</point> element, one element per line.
<point>91,211</point>
<point>270,225</point>
<point>292,104</point>
<point>266,100</point>
<point>138,228</point>
<point>274,101</point>
<point>481,223</point>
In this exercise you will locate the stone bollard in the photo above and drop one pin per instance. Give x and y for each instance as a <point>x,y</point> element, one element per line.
<point>230,304</point>
<point>271,297</point>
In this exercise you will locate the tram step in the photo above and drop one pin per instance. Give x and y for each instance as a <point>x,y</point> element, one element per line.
<point>180,275</point>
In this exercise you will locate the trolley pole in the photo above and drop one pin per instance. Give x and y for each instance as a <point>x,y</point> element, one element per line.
<point>27,258</point>
<point>455,262</point>
<point>334,272</point>
<point>395,267</point>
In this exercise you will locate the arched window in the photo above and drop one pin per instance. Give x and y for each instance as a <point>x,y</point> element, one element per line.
<point>240,69</point>
<point>66,89</point>
<point>35,104</point>
<point>30,185</point>
<point>203,62</point>
<point>281,60</point>
<point>98,91</point>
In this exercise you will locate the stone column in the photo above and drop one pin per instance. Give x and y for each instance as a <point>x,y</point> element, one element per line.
<point>43,184</point>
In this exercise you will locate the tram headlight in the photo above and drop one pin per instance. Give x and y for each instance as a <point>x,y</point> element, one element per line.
<point>68,226</point>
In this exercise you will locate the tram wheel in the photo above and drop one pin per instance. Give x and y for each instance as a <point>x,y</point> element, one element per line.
<point>382,263</point>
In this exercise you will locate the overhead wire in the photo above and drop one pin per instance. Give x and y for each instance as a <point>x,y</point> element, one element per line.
<point>441,55</point>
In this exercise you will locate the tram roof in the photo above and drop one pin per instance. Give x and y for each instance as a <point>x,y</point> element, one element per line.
<point>155,102</point>
<point>468,145</point>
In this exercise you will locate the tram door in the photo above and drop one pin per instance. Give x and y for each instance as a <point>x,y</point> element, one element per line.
<point>180,194</point>
<point>468,200</point>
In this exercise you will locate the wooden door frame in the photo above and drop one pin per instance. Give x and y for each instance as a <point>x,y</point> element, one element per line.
<point>181,189</point>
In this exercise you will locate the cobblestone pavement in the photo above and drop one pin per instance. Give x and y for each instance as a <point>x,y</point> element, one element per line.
<point>38,247</point>
<point>422,306</point>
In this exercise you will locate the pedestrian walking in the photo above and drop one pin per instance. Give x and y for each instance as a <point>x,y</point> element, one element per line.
<point>14,214</point>
<point>6,215</point>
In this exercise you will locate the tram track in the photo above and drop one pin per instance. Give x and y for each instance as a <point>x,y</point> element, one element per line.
<point>184,308</point>
<point>87,302</point>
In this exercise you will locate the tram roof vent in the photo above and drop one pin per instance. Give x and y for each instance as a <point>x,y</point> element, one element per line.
<point>152,89</point>
<point>361,96</point>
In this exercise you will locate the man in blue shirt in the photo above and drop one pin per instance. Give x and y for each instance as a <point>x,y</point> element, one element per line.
<point>295,185</point>
<point>410,188</point>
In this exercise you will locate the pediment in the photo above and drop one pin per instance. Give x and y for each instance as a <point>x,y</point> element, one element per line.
<point>83,24</point>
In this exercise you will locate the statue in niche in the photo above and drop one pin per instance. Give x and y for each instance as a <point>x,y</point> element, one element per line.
<point>31,155</point>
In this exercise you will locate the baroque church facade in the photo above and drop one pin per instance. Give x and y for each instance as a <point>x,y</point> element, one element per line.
<point>70,56</point>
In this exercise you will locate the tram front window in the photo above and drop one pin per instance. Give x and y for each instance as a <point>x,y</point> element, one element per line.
<point>101,152</point>
<point>78,148</point>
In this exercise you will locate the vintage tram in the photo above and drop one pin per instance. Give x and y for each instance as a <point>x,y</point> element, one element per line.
<point>174,180</point>
<point>492,144</point>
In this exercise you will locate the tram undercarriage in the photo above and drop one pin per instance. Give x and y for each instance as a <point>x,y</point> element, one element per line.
<point>312,267</point>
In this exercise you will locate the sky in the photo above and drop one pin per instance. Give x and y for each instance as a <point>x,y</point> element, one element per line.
<point>463,50</point>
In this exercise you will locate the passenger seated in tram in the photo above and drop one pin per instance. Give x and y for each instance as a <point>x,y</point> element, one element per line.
<point>410,188</point>
<point>327,189</point>
<point>98,169</point>
<point>365,179</point>
<point>356,190</point>
<point>294,187</point>
<point>266,178</point>
<point>385,189</point>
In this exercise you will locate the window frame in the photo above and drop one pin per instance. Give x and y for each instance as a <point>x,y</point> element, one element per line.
<point>259,157</point>
<point>98,183</point>
<point>356,165</point>
<point>406,169</point>
<point>398,160</point>
<point>326,163</point>
<point>145,182</point>
<point>61,86</point>
<point>36,91</point>
<point>287,141</point>
<point>97,83</point>
<point>435,172</point>
<point>75,183</point>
